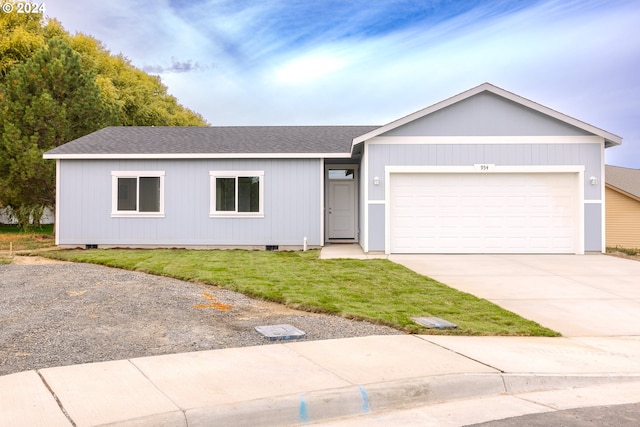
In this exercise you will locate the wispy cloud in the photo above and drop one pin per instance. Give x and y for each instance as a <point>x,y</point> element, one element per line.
<point>176,66</point>
<point>368,62</point>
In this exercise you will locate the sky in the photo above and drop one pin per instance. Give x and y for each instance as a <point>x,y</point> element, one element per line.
<point>369,62</point>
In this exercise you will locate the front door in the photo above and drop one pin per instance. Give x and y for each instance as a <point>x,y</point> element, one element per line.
<point>341,209</point>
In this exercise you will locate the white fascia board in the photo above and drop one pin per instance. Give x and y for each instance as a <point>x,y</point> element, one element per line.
<point>614,139</point>
<point>171,156</point>
<point>476,140</point>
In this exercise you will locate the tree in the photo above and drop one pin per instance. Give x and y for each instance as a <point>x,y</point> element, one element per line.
<point>45,102</point>
<point>21,35</point>
<point>55,87</point>
<point>140,99</point>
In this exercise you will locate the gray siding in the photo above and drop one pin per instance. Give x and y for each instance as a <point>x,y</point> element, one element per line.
<point>587,154</point>
<point>291,204</point>
<point>486,114</point>
<point>381,155</point>
<point>376,227</point>
<point>592,227</point>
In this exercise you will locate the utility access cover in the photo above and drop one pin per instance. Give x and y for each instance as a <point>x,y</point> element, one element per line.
<point>280,332</point>
<point>434,323</point>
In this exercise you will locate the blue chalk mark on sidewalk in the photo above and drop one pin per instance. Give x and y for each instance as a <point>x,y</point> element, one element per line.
<point>365,400</point>
<point>304,415</point>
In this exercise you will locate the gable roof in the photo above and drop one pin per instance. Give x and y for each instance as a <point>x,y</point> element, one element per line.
<point>625,180</point>
<point>610,139</point>
<point>146,142</point>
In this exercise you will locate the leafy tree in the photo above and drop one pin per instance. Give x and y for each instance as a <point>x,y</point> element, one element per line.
<point>45,102</point>
<point>55,87</point>
<point>21,35</point>
<point>140,99</point>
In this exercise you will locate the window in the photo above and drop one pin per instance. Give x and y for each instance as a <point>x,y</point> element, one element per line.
<point>341,174</point>
<point>137,194</point>
<point>237,194</point>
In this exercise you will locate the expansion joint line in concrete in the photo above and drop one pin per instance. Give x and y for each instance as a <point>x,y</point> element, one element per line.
<point>183,411</point>
<point>464,355</point>
<point>55,397</point>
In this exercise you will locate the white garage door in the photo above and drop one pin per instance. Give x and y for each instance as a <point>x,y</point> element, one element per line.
<point>483,213</point>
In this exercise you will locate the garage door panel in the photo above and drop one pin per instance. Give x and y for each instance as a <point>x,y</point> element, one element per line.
<point>483,213</point>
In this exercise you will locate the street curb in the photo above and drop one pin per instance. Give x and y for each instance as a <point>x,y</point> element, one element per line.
<point>324,405</point>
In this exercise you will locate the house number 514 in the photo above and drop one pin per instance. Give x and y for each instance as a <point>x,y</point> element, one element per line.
<point>484,167</point>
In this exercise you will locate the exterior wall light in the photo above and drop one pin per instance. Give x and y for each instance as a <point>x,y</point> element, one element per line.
<point>593,180</point>
<point>376,180</point>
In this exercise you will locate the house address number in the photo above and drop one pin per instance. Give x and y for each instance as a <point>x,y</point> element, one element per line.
<point>484,167</point>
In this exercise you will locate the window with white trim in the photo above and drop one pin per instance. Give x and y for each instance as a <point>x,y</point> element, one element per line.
<point>137,193</point>
<point>237,193</point>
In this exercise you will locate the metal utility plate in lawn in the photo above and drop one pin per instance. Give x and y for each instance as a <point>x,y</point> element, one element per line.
<point>280,332</point>
<point>434,323</point>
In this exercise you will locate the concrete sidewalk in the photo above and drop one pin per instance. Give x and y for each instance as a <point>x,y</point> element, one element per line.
<point>301,382</point>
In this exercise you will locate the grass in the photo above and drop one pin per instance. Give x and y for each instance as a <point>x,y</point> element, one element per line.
<point>15,239</point>
<point>627,251</point>
<point>375,290</point>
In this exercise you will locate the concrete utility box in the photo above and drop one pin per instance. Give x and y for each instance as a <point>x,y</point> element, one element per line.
<point>434,323</point>
<point>280,332</point>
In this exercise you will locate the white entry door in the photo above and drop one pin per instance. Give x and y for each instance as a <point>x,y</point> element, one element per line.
<point>341,209</point>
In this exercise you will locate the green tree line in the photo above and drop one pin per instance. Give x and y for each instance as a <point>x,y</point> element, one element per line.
<point>56,87</point>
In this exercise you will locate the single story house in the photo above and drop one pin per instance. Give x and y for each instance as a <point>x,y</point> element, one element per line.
<point>486,171</point>
<point>622,193</point>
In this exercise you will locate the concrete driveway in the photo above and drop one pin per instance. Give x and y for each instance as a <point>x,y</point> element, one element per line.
<point>591,295</point>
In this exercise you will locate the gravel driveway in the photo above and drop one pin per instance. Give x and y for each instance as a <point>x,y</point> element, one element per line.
<point>56,314</point>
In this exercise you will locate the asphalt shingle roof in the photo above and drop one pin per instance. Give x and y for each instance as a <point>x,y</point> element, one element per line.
<point>625,179</point>
<point>214,140</point>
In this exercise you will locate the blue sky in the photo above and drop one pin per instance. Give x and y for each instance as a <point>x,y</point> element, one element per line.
<point>297,62</point>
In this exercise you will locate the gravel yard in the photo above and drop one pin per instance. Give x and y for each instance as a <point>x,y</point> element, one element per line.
<point>56,314</point>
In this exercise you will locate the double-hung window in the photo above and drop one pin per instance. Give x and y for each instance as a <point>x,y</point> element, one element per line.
<point>237,194</point>
<point>137,194</point>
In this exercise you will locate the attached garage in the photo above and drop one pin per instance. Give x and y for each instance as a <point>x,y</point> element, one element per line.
<point>485,171</point>
<point>465,211</point>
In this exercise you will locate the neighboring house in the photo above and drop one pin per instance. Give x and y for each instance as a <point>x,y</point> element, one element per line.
<point>485,171</point>
<point>622,193</point>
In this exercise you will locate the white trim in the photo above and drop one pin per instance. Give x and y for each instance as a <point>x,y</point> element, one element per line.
<point>603,211</point>
<point>213,213</point>
<point>235,173</point>
<point>488,140</point>
<point>387,210</point>
<point>376,202</point>
<point>356,180</point>
<point>586,202</point>
<point>476,169</point>
<point>364,238</point>
<point>491,169</point>
<point>614,139</point>
<point>322,202</point>
<point>90,156</point>
<point>115,175</point>
<point>580,232</point>
<point>57,214</point>
<point>137,215</point>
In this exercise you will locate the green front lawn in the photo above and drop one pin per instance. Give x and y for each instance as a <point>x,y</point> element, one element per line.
<point>375,290</point>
